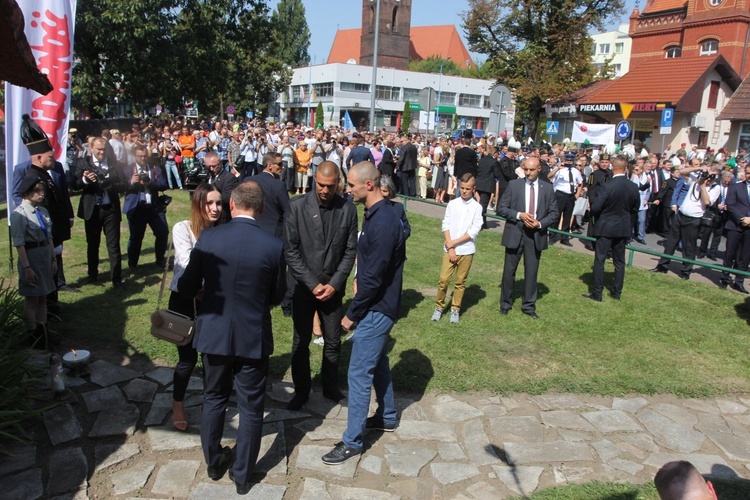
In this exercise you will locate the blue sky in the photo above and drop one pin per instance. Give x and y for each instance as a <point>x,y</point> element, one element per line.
<point>325,17</point>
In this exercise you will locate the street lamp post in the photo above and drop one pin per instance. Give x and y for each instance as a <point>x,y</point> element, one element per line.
<point>440,88</point>
<point>374,66</point>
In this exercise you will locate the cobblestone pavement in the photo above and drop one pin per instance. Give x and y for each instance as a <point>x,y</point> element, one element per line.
<point>114,439</point>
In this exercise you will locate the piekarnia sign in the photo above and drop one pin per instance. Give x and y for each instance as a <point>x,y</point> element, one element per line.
<point>615,107</point>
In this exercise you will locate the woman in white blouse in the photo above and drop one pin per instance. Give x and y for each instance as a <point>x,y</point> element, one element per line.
<point>205,212</point>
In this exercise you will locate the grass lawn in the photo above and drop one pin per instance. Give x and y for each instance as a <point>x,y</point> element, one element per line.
<point>665,336</point>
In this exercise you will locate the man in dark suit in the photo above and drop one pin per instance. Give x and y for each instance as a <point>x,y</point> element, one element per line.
<point>224,181</point>
<point>142,207</point>
<point>597,179</point>
<point>320,245</point>
<point>529,208</point>
<point>488,171</point>
<point>508,165</point>
<point>274,193</point>
<point>465,161</point>
<point>613,208</point>
<point>407,167</point>
<point>101,183</point>
<point>737,254</point>
<point>233,327</point>
<point>56,195</point>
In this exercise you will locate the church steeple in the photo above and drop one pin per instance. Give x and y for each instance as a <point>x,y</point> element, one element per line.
<point>394,31</point>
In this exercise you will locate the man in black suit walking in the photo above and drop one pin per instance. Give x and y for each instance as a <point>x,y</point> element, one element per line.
<point>407,167</point>
<point>737,254</point>
<point>613,208</point>
<point>320,245</point>
<point>101,183</point>
<point>224,181</point>
<point>233,327</point>
<point>488,171</point>
<point>528,207</point>
<point>465,161</point>
<point>275,195</point>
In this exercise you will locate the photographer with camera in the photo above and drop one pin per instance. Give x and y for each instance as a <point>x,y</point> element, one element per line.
<point>142,207</point>
<point>101,184</point>
<point>688,214</point>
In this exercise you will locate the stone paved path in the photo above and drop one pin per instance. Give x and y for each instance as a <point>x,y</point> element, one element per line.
<point>114,439</point>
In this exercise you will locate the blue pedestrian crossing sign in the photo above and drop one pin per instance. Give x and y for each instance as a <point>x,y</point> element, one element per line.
<point>552,128</point>
<point>623,130</point>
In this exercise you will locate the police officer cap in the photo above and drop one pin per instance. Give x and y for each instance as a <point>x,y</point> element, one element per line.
<point>570,156</point>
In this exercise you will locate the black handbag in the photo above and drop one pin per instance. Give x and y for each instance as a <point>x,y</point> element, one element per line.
<point>169,325</point>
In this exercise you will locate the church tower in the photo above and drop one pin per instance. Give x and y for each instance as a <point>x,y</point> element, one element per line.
<point>395,27</point>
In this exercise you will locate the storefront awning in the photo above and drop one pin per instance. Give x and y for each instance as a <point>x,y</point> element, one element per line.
<point>19,66</point>
<point>679,81</point>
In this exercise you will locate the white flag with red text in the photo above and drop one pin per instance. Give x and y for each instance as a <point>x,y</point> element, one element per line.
<point>49,26</point>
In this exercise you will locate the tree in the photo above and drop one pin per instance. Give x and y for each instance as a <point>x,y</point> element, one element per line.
<point>290,33</point>
<point>541,49</point>
<point>319,118</point>
<point>406,118</point>
<point>152,52</point>
<point>432,65</point>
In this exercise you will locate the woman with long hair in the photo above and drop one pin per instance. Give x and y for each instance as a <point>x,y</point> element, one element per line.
<point>205,212</point>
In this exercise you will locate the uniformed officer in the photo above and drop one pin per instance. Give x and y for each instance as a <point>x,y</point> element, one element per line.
<point>565,181</point>
<point>596,179</point>
<point>508,166</point>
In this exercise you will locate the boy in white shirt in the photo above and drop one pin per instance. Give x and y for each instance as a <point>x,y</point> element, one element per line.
<point>461,225</point>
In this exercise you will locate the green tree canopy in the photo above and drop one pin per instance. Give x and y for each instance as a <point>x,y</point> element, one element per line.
<point>541,49</point>
<point>406,118</point>
<point>170,51</point>
<point>291,35</point>
<point>432,65</point>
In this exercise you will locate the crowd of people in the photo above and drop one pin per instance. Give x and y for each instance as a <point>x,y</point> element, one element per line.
<point>242,176</point>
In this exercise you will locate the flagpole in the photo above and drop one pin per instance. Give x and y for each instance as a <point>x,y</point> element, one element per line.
<point>309,96</point>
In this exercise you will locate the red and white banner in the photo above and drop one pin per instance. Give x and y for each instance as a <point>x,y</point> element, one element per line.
<point>596,133</point>
<point>49,28</point>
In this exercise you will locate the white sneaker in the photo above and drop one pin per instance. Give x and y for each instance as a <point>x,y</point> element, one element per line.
<point>436,315</point>
<point>454,315</point>
<point>318,341</point>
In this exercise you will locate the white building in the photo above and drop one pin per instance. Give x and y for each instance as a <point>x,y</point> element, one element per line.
<point>346,87</point>
<point>613,46</point>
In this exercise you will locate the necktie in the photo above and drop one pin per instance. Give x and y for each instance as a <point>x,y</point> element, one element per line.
<point>532,201</point>
<point>654,184</point>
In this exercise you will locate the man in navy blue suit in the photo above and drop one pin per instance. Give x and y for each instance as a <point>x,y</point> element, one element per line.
<point>737,229</point>
<point>142,207</point>
<point>233,327</point>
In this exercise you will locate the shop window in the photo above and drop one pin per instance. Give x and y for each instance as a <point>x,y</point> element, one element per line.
<point>673,52</point>
<point>709,47</point>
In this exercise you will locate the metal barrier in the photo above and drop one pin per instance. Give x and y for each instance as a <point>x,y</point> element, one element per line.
<point>631,249</point>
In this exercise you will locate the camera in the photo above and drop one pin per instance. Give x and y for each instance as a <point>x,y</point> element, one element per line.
<point>706,176</point>
<point>102,177</point>
<point>144,178</point>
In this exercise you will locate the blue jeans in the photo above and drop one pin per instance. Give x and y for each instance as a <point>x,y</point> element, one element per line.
<point>369,367</point>
<point>641,228</point>
<point>171,168</point>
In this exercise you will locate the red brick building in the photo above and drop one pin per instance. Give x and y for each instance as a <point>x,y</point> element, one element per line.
<point>691,28</point>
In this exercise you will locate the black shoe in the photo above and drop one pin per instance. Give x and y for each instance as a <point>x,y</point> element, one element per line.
<point>711,257</point>
<point>161,263</point>
<point>287,313</point>
<point>614,296</point>
<point>659,269</point>
<point>567,243</point>
<point>642,242</point>
<point>723,284</point>
<point>592,297</point>
<point>577,231</point>
<point>533,314</point>
<point>92,280</point>
<point>684,277</point>
<point>334,395</point>
<point>504,312</point>
<point>297,401</point>
<point>739,287</point>
<point>68,288</point>
<point>242,488</point>
<point>589,247</point>
<point>217,472</point>
<point>701,255</point>
<point>376,423</point>
<point>118,284</point>
<point>340,454</point>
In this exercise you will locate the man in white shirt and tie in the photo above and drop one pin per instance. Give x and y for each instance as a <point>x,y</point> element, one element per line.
<point>529,208</point>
